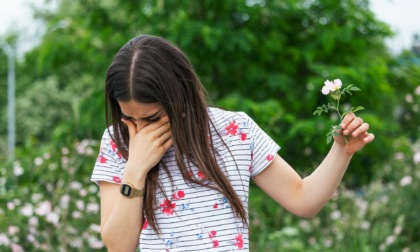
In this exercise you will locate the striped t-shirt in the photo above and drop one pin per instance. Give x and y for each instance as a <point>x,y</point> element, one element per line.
<point>196,218</point>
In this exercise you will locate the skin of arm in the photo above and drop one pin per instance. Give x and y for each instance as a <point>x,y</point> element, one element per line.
<point>121,217</point>
<point>305,197</point>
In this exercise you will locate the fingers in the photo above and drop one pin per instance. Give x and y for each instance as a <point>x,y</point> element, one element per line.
<point>132,131</point>
<point>350,123</point>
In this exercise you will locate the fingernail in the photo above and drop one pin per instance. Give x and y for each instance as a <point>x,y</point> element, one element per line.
<point>346,132</point>
<point>342,125</point>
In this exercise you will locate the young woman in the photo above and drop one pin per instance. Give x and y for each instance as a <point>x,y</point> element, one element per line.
<point>174,173</point>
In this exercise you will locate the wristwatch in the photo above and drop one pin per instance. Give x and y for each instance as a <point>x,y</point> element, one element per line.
<point>129,191</point>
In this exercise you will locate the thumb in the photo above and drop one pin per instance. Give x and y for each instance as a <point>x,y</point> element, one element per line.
<point>131,127</point>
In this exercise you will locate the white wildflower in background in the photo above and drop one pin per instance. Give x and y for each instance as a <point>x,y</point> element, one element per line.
<point>417,91</point>
<point>46,155</point>
<point>336,214</point>
<point>398,156</point>
<point>94,243</point>
<point>76,215</point>
<point>10,205</point>
<point>76,243</point>
<point>390,239</point>
<point>83,192</point>
<point>12,230</point>
<point>406,180</point>
<point>397,230</point>
<point>80,204</point>
<point>92,208</point>
<point>38,161</point>
<point>27,210</point>
<point>16,248</point>
<point>53,218</point>
<point>95,228</point>
<point>33,221</point>
<point>416,158</point>
<point>4,240</point>
<point>365,225</point>
<point>64,202</point>
<point>64,151</point>
<point>17,169</point>
<point>43,208</point>
<point>75,185</point>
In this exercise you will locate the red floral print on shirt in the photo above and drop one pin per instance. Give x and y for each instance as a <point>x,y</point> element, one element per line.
<point>167,207</point>
<point>212,234</point>
<point>201,175</point>
<point>115,148</point>
<point>216,205</point>
<point>243,136</point>
<point>270,157</point>
<point>215,243</point>
<point>102,159</point>
<point>116,179</point>
<point>231,128</point>
<point>178,195</point>
<point>239,241</point>
<point>145,224</point>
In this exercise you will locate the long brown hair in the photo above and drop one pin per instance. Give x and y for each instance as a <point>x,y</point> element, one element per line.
<point>149,69</point>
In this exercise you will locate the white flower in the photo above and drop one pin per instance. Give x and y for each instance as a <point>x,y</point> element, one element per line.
<point>335,215</point>
<point>38,161</point>
<point>80,204</point>
<point>390,239</point>
<point>53,218</point>
<point>95,228</point>
<point>92,208</point>
<point>330,86</point>
<point>17,248</point>
<point>17,169</point>
<point>33,221</point>
<point>43,208</point>
<point>27,210</point>
<point>365,225</point>
<point>416,158</point>
<point>397,230</point>
<point>10,205</point>
<point>76,214</point>
<point>13,230</point>
<point>4,240</point>
<point>406,180</point>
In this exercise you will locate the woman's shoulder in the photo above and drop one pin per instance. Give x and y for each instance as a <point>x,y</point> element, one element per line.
<point>222,115</point>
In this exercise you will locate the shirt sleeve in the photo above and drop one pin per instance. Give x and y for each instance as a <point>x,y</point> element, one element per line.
<point>263,148</point>
<point>107,166</point>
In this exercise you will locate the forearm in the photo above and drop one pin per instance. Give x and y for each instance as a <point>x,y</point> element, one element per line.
<point>318,188</point>
<point>121,232</point>
<point>122,229</point>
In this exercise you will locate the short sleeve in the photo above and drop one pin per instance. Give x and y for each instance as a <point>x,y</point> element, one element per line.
<point>107,166</point>
<point>263,148</point>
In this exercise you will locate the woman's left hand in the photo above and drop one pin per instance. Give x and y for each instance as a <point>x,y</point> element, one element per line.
<point>356,132</point>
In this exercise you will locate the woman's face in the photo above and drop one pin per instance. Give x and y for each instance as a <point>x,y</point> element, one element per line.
<point>141,114</point>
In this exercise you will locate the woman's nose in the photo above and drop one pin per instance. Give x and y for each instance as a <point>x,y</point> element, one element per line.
<point>140,125</point>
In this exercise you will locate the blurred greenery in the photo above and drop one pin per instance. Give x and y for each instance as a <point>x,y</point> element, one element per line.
<point>266,58</point>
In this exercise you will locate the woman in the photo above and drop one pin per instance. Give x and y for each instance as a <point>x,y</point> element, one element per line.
<point>174,174</point>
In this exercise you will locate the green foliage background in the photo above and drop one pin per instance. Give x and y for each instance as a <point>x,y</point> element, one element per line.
<point>267,58</point>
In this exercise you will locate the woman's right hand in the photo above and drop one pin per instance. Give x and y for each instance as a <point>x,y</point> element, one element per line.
<point>147,146</point>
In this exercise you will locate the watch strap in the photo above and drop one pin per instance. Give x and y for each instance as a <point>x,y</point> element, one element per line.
<point>133,192</point>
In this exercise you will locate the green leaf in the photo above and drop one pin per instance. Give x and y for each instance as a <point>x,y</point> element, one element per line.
<point>355,89</point>
<point>354,110</point>
<point>329,139</point>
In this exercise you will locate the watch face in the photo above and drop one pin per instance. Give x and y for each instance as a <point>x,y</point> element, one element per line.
<point>126,190</point>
